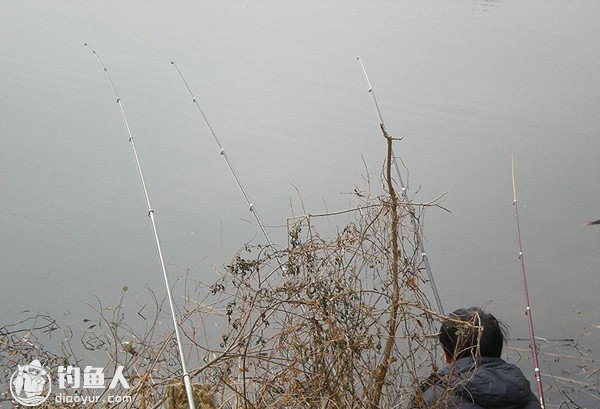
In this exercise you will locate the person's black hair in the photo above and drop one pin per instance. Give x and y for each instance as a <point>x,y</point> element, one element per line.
<point>461,337</point>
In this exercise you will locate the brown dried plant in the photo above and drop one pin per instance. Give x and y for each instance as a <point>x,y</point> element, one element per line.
<point>341,321</point>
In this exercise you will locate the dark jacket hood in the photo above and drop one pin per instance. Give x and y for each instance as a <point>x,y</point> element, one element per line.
<point>489,382</point>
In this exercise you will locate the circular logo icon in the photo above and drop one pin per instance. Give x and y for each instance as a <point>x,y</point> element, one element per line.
<point>30,385</point>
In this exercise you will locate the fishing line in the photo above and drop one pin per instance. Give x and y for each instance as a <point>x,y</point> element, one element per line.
<point>186,376</point>
<point>403,189</point>
<point>532,345</point>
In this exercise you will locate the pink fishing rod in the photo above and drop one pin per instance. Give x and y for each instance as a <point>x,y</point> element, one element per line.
<point>532,345</point>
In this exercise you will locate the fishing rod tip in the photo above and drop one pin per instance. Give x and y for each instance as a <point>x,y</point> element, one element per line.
<point>172,62</point>
<point>85,44</point>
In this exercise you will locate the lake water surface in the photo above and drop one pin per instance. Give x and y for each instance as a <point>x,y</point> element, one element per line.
<point>464,83</point>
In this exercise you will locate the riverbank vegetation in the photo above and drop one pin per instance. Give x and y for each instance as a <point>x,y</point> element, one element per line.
<point>339,318</point>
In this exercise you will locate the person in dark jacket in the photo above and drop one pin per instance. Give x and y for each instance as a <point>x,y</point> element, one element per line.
<point>475,376</point>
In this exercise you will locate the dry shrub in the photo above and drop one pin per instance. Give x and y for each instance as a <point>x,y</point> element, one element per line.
<point>339,320</point>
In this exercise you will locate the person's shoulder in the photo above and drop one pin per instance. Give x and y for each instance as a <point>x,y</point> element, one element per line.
<point>500,370</point>
<point>497,383</point>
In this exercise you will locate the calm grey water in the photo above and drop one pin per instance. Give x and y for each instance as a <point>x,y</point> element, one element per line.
<point>465,83</point>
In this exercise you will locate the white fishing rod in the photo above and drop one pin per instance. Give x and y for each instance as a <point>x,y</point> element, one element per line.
<point>532,345</point>
<point>186,376</point>
<point>403,189</point>
<point>250,203</point>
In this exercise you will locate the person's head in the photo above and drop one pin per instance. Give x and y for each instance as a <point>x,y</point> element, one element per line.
<point>471,332</point>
